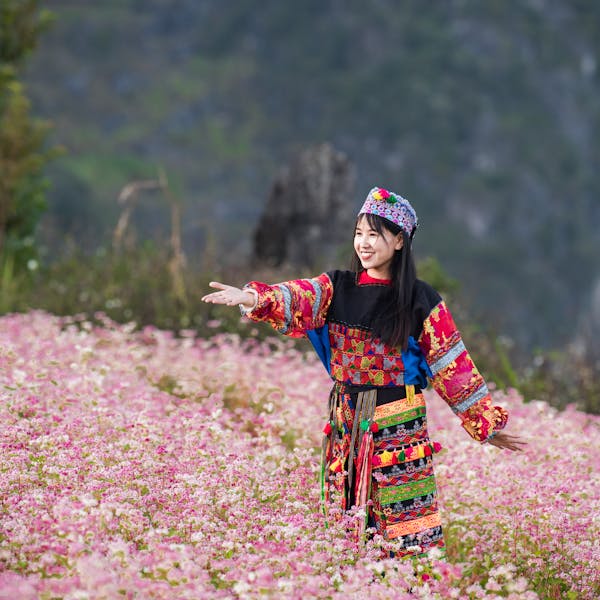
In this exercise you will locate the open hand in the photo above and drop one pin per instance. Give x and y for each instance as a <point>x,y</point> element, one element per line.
<point>229,295</point>
<point>507,442</point>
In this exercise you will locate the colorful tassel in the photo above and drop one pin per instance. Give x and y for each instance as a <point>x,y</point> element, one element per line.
<point>385,456</point>
<point>363,478</point>
<point>328,428</point>
<point>323,491</point>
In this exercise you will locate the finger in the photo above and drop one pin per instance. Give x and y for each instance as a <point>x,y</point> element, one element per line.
<point>218,285</point>
<point>515,441</point>
<point>508,445</point>
<point>214,298</point>
<point>504,443</point>
<point>510,438</point>
<point>502,446</point>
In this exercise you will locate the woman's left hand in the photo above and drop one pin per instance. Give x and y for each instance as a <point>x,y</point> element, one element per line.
<point>507,442</point>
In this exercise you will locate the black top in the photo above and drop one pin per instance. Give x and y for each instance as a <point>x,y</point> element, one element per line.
<point>356,305</point>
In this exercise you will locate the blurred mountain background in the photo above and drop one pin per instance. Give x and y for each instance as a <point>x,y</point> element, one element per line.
<point>485,115</point>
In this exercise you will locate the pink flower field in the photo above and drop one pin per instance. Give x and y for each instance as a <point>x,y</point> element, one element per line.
<point>138,464</point>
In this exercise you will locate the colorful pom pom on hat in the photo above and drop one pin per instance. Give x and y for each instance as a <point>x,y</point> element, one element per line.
<point>392,207</point>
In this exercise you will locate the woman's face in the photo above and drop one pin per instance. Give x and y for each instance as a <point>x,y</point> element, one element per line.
<point>375,250</point>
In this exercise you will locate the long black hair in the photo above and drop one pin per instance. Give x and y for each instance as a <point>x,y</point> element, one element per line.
<point>393,323</point>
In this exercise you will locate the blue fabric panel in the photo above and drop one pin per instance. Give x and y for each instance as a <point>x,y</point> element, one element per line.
<point>319,338</point>
<point>416,369</point>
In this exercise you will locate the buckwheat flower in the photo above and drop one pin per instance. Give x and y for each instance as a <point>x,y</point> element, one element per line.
<point>239,499</point>
<point>476,591</point>
<point>518,585</point>
<point>242,587</point>
<point>435,554</point>
<point>88,501</point>
<point>504,570</point>
<point>492,585</point>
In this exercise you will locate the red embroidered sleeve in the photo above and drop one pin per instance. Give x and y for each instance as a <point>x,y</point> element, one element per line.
<point>456,378</point>
<point>293,307</point>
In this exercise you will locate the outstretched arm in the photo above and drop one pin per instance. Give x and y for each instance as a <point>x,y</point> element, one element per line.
<point>230,295</point>
<point>458,381</point>
<point>291,307</point>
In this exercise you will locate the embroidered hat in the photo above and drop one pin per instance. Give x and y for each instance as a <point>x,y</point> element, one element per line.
<point>392,207</point>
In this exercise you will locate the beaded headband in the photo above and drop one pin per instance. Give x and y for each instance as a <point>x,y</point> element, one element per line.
<point>392,207</point>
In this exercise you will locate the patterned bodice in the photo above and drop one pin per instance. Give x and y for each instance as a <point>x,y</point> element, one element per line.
<point>337,313</point>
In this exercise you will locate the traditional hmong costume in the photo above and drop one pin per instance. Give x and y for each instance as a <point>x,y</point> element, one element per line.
<point>376,444</point>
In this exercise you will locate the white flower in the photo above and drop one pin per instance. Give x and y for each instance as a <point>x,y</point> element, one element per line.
<point>241,587</point>
<point>88,501</point>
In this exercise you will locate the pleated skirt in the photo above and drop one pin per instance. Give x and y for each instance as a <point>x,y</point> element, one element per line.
<point>377,455</point>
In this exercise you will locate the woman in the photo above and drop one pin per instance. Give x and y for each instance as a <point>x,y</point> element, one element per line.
<point>382,334</point>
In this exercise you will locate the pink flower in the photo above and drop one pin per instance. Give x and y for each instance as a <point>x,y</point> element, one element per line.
<point>179,466</point>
